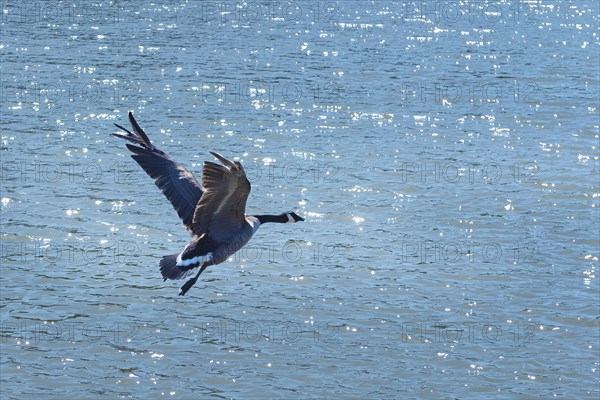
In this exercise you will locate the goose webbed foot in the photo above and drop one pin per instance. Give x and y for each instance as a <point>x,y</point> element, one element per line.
<point>187,286</point>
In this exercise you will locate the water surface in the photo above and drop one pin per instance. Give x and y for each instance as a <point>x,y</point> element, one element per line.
<point>445,159</point>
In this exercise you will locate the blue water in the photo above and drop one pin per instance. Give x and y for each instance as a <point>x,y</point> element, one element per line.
<point>444,155</point>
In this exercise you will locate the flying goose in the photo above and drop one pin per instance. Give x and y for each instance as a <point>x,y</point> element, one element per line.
<point>213,213</point>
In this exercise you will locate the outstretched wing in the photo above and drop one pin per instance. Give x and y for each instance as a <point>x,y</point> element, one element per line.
<point>221,210</point>
<point>177,183</point>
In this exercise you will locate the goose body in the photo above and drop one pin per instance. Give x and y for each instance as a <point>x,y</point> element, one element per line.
<point>213,213</point>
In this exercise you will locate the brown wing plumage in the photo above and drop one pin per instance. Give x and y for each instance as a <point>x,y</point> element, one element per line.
<point>221,210</point>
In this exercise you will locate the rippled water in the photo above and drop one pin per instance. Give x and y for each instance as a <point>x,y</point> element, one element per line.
<point>445,156</point>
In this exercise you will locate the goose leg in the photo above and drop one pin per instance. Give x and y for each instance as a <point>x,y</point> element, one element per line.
<point>188,285</point>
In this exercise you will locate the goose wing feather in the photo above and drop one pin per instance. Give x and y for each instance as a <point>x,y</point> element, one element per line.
<point>176,182</point>
<point>221,210</point>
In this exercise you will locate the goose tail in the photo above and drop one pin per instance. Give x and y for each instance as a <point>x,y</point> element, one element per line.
<point>170,270</point>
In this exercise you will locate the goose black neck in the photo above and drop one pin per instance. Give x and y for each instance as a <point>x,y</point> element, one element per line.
<point>282,218</point>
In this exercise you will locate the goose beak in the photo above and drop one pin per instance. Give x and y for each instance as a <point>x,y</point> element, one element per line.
<point>296,217</point>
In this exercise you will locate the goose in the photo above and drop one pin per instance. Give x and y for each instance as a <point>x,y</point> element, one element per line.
<point>213,213</point>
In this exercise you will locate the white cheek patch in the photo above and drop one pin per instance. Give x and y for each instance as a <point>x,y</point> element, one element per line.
<point>291,219</point>
<point>195,260</point>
